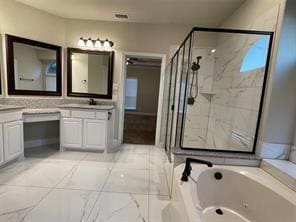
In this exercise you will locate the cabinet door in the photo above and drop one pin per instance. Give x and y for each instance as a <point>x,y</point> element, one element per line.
<point>95,134</point>
<point>13,140</point>
<point>71,132</point>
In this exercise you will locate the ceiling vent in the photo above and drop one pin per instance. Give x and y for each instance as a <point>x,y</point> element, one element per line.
<point>121,16</point>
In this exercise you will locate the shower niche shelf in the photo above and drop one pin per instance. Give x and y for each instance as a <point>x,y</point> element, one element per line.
<point>208,93</point>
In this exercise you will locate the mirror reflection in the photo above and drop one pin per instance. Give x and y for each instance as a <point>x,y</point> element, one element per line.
<point>35,68</point>
<point>90,73</point>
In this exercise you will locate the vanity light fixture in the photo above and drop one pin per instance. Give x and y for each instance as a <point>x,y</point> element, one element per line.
<point>98,43</point>
<point>81,42</point>
<point>89,43</point>
<point>108,44</point>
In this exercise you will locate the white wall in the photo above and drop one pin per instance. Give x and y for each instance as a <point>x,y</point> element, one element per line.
<point>21,20</point>
<point>24,21</point>
<point>280,120</point>
<point>127,37</point>
<point>246,15</point>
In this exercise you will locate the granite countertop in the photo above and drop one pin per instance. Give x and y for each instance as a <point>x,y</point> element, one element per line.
<point>187,152</point>
<point>86,106</point>
<point>41,111</point>
<point>10,107</point>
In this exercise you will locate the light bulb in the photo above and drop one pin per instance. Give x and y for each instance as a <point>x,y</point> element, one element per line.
<point>89,43</point>
<point>213,50</point>
<point>107,44</point>
<point>81,42</point>
<point>98,43</point>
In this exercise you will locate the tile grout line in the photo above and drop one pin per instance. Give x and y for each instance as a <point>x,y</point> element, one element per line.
<point>50,191</point>
<point>101,190</point>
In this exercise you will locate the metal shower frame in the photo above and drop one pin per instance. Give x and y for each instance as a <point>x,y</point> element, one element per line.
<point>179,138</point>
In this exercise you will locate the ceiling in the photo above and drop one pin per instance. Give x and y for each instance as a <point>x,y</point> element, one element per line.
<point>141,61</point>
<point>191,12</point>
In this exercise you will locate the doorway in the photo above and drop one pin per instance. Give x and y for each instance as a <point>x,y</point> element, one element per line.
<point>141,99</point>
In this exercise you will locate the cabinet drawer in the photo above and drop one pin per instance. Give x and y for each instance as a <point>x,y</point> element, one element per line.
<point>101,115</point>
<point>83,114</point>
<point>65,113</point>
<point>10,116</point>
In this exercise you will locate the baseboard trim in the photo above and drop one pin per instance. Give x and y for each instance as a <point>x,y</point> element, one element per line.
<point>141,113</point>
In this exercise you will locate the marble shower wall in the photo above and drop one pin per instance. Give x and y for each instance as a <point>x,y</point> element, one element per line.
<point>234,96</point>
<point>197,115</point>
<point>234,107</point>
<point>235,103</point>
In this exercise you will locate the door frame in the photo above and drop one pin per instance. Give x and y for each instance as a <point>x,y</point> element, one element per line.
<point>121,98</point>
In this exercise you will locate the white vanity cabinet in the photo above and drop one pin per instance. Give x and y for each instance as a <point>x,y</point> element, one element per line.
<point>95,134</point>
<point>13,139</point>
<point>87,129</point>
<point>71,132</point>
<point>11,135</point>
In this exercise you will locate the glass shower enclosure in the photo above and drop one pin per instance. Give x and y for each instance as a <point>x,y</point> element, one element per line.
<point>214,90</point>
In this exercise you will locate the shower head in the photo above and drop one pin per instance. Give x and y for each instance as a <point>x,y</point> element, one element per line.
<point>195,66</point>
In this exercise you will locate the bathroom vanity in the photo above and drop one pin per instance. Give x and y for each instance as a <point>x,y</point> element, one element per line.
<point>11,133</point>
<point>87,127</point>
<point>82,127</point>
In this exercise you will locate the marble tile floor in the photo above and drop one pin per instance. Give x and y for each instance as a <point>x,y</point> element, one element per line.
<point>53,186</point>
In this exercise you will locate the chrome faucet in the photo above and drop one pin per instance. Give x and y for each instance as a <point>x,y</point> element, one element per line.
<point>188,168</point>
<point>92,102</point>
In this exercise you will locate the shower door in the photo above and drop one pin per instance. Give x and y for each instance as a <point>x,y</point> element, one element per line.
<point>183,87</point>
<point>178,72</point>
<point>171,103</point>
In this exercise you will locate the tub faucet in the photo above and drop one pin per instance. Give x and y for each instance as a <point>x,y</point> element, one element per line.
<point>188,168</point>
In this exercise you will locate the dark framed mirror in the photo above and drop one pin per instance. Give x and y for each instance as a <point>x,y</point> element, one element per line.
<point>33,67</point>
<point>90,73</point>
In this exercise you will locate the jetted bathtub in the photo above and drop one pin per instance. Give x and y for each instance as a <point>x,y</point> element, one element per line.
<point>244,194</point>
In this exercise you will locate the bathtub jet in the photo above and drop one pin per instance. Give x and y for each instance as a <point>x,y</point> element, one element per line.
<point>188,168</point>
